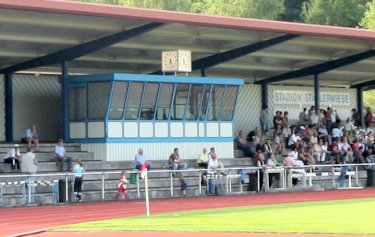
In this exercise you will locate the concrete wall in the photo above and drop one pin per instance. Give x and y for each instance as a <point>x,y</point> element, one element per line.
<point>36,101</point>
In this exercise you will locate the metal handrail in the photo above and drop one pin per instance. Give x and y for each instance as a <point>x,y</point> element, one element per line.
<point>200,171</point>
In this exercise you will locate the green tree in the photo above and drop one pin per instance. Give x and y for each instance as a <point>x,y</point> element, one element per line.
<point>261,9</point>
<point>368,20</point>
<point>177,5</point>
<point>293,10</point>
<point>369,99</point>
<point>333,12</point>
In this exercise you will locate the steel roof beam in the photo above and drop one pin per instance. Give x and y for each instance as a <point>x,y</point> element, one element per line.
<point>82,49</point>
<point>319,68</point>
<point>366,85</point>
<point>229,55</point>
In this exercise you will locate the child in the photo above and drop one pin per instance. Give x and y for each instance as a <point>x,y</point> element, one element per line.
<point>121,186</point>
<point>78,170</point>
<point>183,185</point>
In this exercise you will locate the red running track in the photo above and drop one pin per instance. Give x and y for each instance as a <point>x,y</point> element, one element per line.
<point>20,220</point>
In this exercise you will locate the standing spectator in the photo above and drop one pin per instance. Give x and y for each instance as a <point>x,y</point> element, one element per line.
<point>368,117</point>
<point>213,165</point>
<point>264,119</point>
<point>302,117</point>
<point>121,186</point>
<point>175,161</point>
<point>61,157</point>
<point>78,174</point>
<point>183,185</point>
<point>285,119</point>
<point>140,161</point>
<point>13,157</point>
<point>328,120</point>
<point>260,163</point>
<point>29,166</point>
<point>29,162</point>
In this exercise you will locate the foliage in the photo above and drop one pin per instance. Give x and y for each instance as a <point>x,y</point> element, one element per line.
<point>333,12</point>
<point>260,9</point>
<point>293,10</point>
<point>369,99</point>
<point>368,20</point>
<point>282,218</point>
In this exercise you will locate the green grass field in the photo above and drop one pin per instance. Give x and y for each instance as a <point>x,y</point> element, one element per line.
<point>350,217</point>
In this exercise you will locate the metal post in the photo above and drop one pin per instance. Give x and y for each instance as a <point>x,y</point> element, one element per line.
<point>317,97</point>
<point>103,186</point>
<point>203,72</point>
<point>360,104</point>
<point>66,189</point>
<point>146,194</point>
<point>171,179</point>
<point>138,188</point>
<point>8,107</point>
<point>200,182</point>
<point>64,100</point>
<point>29,189</point>
<point>264,95</point>
<point>258,179</point>
<point>356,176</point>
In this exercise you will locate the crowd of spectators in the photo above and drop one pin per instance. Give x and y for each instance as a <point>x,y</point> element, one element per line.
<point>316,138</point>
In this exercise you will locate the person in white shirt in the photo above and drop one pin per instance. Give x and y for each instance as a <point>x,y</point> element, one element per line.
<point>13,157</point>
<point>29,162</point>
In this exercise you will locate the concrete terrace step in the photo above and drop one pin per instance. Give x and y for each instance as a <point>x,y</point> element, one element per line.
<point>42,147</point>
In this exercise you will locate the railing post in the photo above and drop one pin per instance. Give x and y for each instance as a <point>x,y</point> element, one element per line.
<point>171,182</point>
<point>138,188</point>
<point>200,182</point>
<point>356,176</point>
<point>258,179</point>
<point>66,188</point>
<point>29,189</point>
<point>103,186</point>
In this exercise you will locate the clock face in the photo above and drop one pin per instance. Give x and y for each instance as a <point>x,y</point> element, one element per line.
<point>169,61</point>
<point>184,60</point>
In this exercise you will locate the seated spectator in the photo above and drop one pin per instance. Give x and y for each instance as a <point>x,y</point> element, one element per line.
<point>140,161</point>
<point>273,163</point>
<point>212,155</point>
<point>203,159</point>
<point>61,157</point>
<point>294,140</point>
<point>357,155</point>
<point>29,162</point>
<point>13,157</point>
<point>175,161</point>
<point>243,144</point>
<point>345,149</point>
<point>31,137</point>
<point>320,150</point>
<point>268,149</point>
<point>348,126</point>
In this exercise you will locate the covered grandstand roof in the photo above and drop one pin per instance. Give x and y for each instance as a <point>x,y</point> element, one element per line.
<point>37,35</point>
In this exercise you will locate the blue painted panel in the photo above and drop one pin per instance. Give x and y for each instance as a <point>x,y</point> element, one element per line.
<point>155,78</point>
<point>151,140</point>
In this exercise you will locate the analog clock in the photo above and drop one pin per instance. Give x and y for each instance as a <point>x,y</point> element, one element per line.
<point>176,61</point>
<point>184,60</point>
<point>169,61</point>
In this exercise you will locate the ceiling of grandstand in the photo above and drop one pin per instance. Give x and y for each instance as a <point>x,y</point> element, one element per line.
<point>37,35</point>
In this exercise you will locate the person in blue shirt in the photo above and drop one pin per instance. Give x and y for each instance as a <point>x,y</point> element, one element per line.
<point>61,157</point>
<point>78,171</point>
<point>30,137</point>
<point>140,161</point>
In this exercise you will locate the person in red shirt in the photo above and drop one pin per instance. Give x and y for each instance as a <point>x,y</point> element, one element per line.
<point>368,117</point>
